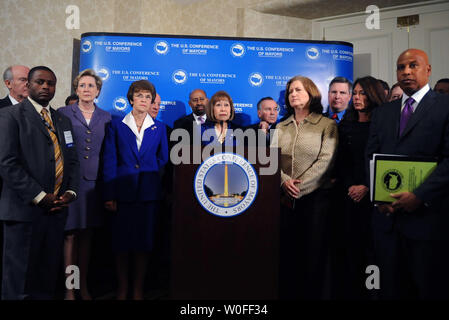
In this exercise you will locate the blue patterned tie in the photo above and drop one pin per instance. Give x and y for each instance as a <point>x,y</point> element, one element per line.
<point>406,114</point>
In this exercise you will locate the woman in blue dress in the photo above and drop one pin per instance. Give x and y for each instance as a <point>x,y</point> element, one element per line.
<point>136,149</point>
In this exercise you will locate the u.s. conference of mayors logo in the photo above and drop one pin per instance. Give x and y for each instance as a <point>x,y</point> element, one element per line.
<point>238,50</point>
<point>103,73</point>
<point>86,46</point>
<point>161,47</point>
<point>179,76</point>
<point>255,79</point>
<point>120,103</point>
<point>312,53</point>
<point>225,184</point>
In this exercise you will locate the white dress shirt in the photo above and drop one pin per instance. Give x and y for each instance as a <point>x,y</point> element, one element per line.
<point>198,120</point>
<point>417,96</point>
<point>13,101</point>
<point>131,123</point>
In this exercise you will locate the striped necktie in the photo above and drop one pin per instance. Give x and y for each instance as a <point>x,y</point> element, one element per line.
<point>59,163</point>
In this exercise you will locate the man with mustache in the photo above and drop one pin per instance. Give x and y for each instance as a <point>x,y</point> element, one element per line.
<point>40,171</point>
<point>197,101</point>
<point>411,234</point>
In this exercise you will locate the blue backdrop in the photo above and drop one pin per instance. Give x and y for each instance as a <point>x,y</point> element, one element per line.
<point>248,69</point>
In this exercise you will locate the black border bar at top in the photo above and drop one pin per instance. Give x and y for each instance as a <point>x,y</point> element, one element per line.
<point>89,34</point>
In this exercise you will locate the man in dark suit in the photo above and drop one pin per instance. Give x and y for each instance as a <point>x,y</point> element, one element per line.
<point>411,234</point>
<point>338,96</point>
<point>15,78</point>
<point>197,101</point>
<point>40,170</point>
<point>267,111</point>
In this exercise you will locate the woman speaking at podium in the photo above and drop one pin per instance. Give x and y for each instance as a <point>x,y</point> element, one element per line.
<point>219,126</point>
<point>135,151</point>
<point>307,142</point>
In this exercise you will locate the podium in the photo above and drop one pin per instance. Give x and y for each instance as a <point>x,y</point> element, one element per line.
<point>230,258</point>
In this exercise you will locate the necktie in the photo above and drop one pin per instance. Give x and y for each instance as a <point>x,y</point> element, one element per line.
<point>59,165</point>
<point>334,116</point>
<point>406,114</point>
<point>201,120</point>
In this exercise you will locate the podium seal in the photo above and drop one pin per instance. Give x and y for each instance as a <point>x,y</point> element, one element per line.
<point>225,184</point>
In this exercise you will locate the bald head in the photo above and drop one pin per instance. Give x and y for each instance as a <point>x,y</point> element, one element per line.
<point>155,106</point>
<point>198,101</point>
<point>16,79</point>
<point>413,70</point>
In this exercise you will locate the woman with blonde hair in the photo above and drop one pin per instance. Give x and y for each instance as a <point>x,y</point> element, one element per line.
<point>85,213</point>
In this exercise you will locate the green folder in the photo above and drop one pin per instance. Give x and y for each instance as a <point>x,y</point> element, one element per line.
<point>393,174</point>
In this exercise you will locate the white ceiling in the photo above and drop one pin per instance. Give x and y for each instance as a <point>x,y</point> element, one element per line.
<point>315,9</point>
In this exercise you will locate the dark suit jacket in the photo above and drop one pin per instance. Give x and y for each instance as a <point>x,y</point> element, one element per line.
<point>255,127</point>
<point>185,122</point>
<point>27,164</point>
<point>5,102</point>
<point>188,123</point>
<point>230,138</point>
<point>426,134</point>
<point>129,174</point>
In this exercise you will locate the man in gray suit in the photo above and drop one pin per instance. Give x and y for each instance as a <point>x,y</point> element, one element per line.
<point>15,78</point>
<point>40,171</point>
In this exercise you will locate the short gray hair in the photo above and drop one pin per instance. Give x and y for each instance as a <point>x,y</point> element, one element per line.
<point>7,75</point>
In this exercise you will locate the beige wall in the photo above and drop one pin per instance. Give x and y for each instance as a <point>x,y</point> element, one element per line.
<point>33,32</point>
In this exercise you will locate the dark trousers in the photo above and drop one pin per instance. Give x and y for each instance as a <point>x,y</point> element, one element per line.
<point>1,255</point>
<point>32,257</point>
<point>304,248</point>
<point>410,268</point>
<point>355,250</point>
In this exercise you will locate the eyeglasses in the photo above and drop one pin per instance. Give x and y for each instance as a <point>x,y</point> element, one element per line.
<point>142,96</point>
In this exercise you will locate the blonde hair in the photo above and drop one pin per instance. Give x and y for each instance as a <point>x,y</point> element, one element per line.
<point>88,73</point>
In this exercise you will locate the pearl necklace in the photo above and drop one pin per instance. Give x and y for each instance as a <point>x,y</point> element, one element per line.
<point>85,110</point>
